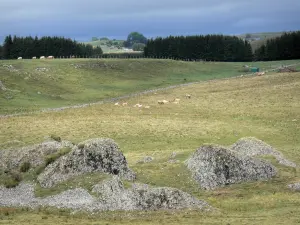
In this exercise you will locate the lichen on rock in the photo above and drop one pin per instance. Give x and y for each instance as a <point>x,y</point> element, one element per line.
<point>94,155</point>
<point>213,166</point>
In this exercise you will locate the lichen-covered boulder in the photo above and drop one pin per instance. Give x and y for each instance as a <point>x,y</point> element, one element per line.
<point>252,146</point>
<point>113,196</point>
<point>35,154</point>
<point>95,155</point>
<point>213,166</point>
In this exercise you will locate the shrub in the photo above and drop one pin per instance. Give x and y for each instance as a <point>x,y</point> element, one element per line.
<point>25,167</point>
<point>56,138</point>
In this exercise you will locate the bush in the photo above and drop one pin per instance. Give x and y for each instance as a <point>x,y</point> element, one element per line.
<point>56,138</point>
<point>25,167</point>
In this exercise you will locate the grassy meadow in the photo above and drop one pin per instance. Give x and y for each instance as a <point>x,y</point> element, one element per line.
<point>34,84</point>
<point>219,111</point>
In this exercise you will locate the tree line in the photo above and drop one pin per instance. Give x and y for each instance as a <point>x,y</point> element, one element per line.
<point>284,47</point>
<point>28,47</point>
<point>208,47</point>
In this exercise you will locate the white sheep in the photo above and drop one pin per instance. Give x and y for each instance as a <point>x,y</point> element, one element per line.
<point>162,102</point>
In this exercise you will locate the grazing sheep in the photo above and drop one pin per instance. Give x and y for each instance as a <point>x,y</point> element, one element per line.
<point>260,73</point>
<point>124,103</point>
<point>188,96</point>
<point>42,57</point>
<point>33,57</point>
<point>161,102</point>
<point>147,107</point>
<point>117,103</point>
<point>50,57</point>
<point>19,57</point>
<point>138,105</point>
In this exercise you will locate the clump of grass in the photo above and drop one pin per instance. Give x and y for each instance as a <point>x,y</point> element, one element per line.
<point>52,157</point>
<point>12,179</point>
<point>80,146</point>
<point>25,166</point>
<point>55,138</point>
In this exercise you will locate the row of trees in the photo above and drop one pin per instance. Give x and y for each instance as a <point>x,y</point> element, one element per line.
<point>27,47</point>
<point>284,47</point>
<point>208,47</point>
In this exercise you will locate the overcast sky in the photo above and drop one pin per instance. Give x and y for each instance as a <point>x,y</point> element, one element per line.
<point>82,19</point>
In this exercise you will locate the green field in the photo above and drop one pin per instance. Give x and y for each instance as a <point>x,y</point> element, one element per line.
<point>220,111</point>
<point>34,85</point>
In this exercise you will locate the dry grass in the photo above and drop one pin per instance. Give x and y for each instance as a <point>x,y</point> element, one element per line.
<point>221,112</point>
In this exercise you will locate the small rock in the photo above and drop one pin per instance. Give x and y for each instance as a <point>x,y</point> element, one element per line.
<point>173,155</point>
<point>2,87</point>
<point>294,187</point>
<point>146,159</point>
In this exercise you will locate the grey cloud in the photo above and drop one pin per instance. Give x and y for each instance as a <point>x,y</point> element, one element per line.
<point>77,18</point>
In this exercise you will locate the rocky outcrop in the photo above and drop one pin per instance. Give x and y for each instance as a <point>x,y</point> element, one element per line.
<point>95,155</point>
<point>110,196</point>
<point>251,146</point>
<point>35,154</point>
<point>114,196</point>
<point>213,166</point>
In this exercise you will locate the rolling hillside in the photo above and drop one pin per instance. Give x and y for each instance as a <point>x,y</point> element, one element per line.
<point>219,112</point>
<point>33,85</point>
<point>258,39</point>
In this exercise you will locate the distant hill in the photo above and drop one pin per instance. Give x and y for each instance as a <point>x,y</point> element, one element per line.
<point>109,46</point>
<point>258,39</point>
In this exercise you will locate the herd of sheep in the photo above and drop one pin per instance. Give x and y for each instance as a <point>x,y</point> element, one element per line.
<point>42,57</point>
<point>160,102</point>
